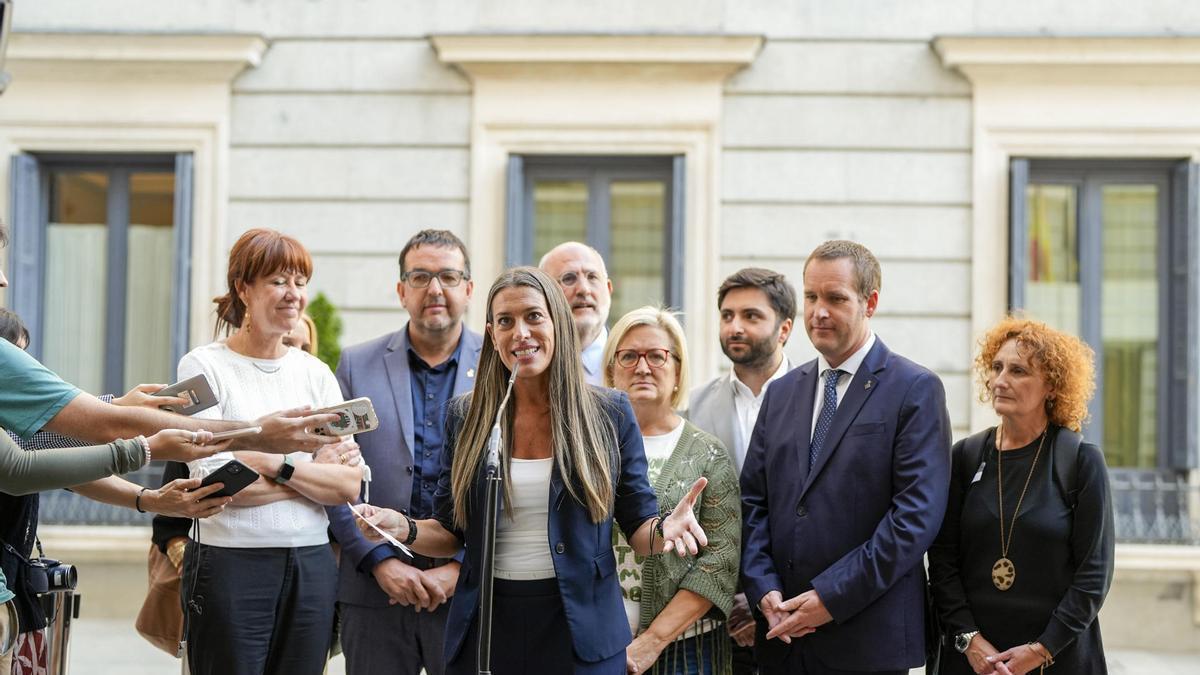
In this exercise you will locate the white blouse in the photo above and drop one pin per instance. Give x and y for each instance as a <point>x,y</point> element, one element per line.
<point>523,540</point>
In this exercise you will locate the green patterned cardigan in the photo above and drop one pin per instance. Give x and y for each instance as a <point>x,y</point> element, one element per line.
<point>713,574</point>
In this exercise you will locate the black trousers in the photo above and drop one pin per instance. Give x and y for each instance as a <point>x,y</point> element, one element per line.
<point>529,635</point>
<point>258,611</point>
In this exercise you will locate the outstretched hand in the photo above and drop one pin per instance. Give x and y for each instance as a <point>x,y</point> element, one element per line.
<point>681,531</point>
<point>385,519</point>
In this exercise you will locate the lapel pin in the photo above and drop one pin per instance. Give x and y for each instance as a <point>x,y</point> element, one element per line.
<point>867,385</point>
<point>470,372</point>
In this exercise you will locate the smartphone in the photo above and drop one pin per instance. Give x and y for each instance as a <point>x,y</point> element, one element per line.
<point>236,433</point>
<point>235,475</point>
<point>354,417</point>
<point>196,389</point>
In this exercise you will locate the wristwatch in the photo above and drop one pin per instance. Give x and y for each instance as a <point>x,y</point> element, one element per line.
<point>963,640</point>
<point>285,470</point>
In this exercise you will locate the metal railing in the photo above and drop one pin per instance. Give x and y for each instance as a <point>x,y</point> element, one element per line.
<point>1156,508</point>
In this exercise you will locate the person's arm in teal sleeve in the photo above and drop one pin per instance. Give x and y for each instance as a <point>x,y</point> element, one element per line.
<point>23,473</point>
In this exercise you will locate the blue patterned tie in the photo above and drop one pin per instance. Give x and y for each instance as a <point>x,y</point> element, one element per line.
<point>828,409</point>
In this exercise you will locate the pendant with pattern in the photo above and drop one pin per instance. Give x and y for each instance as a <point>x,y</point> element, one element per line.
<point>1003,574</point>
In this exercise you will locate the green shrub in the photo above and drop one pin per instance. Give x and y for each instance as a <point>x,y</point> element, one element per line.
<point>329,330</point>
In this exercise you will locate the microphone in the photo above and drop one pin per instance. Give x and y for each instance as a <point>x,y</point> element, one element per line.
<point>493,446</point>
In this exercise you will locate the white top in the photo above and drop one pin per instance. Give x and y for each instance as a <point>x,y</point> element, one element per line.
<point>523,541</point>
<point>745,410</point>
<point>246,389</point>
<point>592,355</point>
<point>629,565</point>
<point>849,368</point>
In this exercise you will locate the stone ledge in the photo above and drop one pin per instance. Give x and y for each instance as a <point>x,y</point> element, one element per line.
<point>79,544</point>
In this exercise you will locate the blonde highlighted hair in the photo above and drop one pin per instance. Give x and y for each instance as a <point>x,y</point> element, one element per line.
<point>659,317</point>
<point>583,436</point>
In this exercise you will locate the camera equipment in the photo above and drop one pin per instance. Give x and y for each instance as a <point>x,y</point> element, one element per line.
<point>47,575</point>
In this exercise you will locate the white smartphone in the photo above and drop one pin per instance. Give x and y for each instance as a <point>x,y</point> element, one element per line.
<point>236,433</point>
<point>355,416</point>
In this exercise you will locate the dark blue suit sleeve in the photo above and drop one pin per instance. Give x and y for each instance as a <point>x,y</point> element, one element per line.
<point>355,547</point>
<point>921,479</point>
<point>443,497</point>
<point>759,576</point>
<point>635,502</point>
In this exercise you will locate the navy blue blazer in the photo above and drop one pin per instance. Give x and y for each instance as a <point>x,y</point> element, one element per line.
<point>856,526</point>
<point>379,370</point>
<point>582,550</point>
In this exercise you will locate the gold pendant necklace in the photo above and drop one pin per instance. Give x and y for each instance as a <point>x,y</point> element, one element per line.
<point>1004,572</point>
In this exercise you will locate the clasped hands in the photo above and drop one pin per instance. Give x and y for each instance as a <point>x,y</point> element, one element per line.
<point>985,659</point>
<point>421,589</point>
<point>795,617</point>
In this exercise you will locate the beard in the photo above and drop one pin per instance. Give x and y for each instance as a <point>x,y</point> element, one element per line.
<point>758,352</point>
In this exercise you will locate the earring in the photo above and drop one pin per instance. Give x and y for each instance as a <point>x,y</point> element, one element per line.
<point>246,323</point>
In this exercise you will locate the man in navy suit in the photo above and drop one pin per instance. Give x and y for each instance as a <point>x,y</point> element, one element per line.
<point>844,488</point>
<point>393,608</point>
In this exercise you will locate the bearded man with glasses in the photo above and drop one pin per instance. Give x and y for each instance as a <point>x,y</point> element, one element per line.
<point>393,608</point>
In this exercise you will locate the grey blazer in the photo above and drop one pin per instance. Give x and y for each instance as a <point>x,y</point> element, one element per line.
<point>710,408</point>
<point>379,369</point>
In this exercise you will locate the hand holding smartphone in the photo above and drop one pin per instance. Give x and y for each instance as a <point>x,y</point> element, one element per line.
<point>355,416</point>
<point>195,389</point>
<point>235,475</point>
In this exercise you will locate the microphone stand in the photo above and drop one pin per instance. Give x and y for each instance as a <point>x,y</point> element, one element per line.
<point>492,490</point>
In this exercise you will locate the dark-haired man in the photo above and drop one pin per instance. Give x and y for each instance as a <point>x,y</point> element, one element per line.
<point>844,488</point>
<point>393,608</point>
<point>758,307</point>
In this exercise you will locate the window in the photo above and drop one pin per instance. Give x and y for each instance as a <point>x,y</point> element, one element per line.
<point>100,275</point>
<point>628,208</point>
<point>1099,249</point>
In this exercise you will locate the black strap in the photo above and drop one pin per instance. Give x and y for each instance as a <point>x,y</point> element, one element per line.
<point>1065,452</point>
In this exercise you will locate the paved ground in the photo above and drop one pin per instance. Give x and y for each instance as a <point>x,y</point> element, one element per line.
<point>104,646</point>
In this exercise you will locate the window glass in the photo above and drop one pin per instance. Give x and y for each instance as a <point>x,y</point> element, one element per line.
<point>1130,323</point>
<point>76,278</point>
<point>151,270</point>
<point>560,212</point>
<point>638,212</point>
<point>1052,287</point>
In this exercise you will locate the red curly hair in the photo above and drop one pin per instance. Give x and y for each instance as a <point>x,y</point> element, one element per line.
<point>1065,361</point>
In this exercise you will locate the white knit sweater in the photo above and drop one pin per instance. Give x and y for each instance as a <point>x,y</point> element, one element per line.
<point>246,389</point>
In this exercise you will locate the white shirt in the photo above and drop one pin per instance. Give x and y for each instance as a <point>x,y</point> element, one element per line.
<point>745,410</point>
<point>246,389</point>
<point>848,368</point>
<point>592,355</point>
<point>523,540</point>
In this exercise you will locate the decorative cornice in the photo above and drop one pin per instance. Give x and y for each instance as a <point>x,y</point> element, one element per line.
<point>475,53</point>
<point>1049,55</point>
<point>218,57</point>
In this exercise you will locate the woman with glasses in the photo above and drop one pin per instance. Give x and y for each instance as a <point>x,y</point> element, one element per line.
<point>676,608</point>
<point>572,464</point>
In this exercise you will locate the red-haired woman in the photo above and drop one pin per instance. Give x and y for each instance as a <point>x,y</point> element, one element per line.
<point>260,580</point>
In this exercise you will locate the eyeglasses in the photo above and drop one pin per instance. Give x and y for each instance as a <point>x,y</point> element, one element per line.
<point>655,358</point>
<point>422,278</point>
<point>569,279</point>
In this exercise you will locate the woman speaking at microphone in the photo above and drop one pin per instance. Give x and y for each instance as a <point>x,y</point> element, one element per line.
<point>572,463</point>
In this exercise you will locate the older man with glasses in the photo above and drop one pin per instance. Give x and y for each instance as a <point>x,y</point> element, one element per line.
<point>393,608</point>
<point>580,272</point>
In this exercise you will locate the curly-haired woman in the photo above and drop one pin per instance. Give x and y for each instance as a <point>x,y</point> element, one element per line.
<point>1025,555</point>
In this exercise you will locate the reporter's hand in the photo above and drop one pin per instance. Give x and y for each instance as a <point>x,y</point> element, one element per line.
<point>402,583</point>
<point>344,452</point>
<point>977,655</point>
<point>290,430</point>
<point>184,498</point>
<point>184,446</point>
<point>741,622</point>
<point>141,396</point>
<point>385,519</point>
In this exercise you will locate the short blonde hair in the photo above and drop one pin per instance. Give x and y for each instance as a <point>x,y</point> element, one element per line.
<point>659,317</point>
<point>1066,362</point>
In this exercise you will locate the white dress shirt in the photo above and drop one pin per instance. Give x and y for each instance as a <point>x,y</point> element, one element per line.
<point>592,355</point>
<point>848,368</point>
<point>745,409</point>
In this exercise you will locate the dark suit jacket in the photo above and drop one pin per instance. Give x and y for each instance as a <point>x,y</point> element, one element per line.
<point>379,370</point>
<point>584,562</point>
<point>856,526</point>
